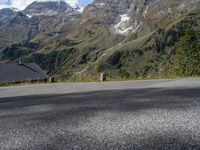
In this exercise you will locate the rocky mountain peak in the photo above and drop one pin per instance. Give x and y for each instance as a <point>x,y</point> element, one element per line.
<point>128,16</point>
<point>8,13</point>
<point>48,8</point>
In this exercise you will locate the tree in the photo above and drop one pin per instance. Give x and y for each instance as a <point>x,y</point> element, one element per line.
<point>188,53</point>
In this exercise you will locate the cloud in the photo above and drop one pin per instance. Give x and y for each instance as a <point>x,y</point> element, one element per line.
<point>21,4</point>
<point>3,6</point>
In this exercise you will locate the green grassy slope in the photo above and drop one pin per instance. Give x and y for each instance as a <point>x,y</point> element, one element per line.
<point>169,52</point>
<point>81,54</point>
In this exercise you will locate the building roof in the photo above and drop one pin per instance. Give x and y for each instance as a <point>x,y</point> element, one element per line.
<point>12,72</point>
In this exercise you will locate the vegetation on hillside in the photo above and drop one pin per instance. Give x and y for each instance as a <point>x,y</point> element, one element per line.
<point>167,53</point>
<point>188,53</point>
<point>170,51</point>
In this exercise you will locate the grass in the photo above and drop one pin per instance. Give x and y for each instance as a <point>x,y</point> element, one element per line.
<point>22,84</point>
<point>137,43</point>
<point>117,79</point>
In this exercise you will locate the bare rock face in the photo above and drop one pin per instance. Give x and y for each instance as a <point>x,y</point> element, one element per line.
<point>129,16</point>
<point>6,14</point>
<point>39,20</point>
<point>48,8</point>
<point>14,26</point>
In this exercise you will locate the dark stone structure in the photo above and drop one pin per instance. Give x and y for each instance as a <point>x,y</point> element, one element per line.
<point>21,72</point>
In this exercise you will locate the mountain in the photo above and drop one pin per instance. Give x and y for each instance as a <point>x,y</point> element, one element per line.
<point>14,27</point>
<point>122,38</point>
<point>128,16</point>
<point>6,14</point>
<point>40,20</point>
<point>48,8</point>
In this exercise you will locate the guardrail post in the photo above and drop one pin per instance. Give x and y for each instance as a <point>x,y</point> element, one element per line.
<point>102,77</point>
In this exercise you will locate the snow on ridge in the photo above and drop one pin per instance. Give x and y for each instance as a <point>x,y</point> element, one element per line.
<point>122,27</point>
<point>22,4</point>
<point>124,18</point>
<point>9,7</point>
<point>100,4</point>
<point>29,16</point>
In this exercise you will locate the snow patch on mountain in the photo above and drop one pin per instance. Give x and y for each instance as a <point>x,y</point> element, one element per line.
<point>100,4</point>
<point>22,4</point>
<point>123,26</point>
<point>29,16</point>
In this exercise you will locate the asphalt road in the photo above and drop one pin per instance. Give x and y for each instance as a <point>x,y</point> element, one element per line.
<point>135,115</point>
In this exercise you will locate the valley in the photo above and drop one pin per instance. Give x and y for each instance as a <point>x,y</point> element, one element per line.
<point>127,39</point>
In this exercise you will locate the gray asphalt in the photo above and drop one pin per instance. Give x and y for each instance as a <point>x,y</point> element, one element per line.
<point>160,114</point>
<point>66,88</point>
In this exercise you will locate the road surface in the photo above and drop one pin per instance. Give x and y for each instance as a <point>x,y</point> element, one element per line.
<point>156,114</point>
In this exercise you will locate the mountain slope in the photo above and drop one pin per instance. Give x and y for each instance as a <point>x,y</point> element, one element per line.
<point>123,39</point>
<point>14,27</point>
<point>39,21</point>
<point>129,16</point>
<point>155,55</point>
<point>7,14</point>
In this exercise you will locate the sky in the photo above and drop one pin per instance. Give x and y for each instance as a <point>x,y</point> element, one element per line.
<point>21,4</point>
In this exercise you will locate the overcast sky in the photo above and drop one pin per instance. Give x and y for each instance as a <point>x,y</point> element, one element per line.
<point>21,4</point>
